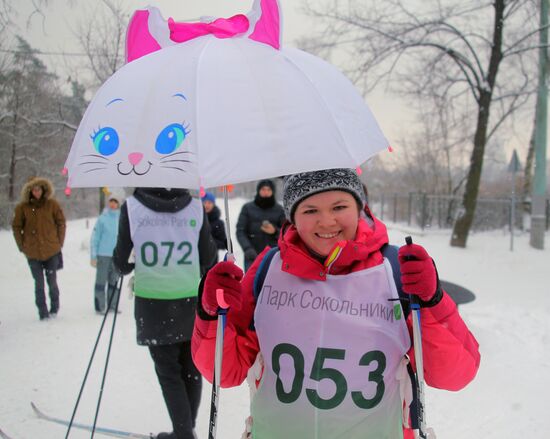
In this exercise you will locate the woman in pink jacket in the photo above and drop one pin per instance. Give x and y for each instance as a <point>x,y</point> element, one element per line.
<point>326,337</point>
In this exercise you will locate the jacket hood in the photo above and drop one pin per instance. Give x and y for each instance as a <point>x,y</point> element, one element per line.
<point>215,214</point>
<point>359,253</point>
<point>47,188</point>
<point>163,200</point>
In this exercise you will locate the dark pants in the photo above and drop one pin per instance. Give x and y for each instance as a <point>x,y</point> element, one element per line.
<point>38,269</point>
<point>181,385</point>
<point>248,263</point>
<point>105,279</point>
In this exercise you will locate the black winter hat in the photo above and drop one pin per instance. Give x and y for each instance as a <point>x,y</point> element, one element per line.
<point>298,187</point>
<point>267,183</point>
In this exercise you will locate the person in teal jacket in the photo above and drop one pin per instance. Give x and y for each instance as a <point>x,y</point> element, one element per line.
<point>102,244</point>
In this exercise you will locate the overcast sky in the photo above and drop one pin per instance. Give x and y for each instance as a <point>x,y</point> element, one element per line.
<point>53,30</point>
<point>53,33</point>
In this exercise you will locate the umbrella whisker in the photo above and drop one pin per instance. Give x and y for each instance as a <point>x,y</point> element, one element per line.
<point>176,160</point>
<point>90,163</point>
<point>174,167</point>
<point>176,153</point>
<point>97,156</point>
<point>95,169</point>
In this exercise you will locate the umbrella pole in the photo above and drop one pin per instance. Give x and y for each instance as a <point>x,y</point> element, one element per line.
<point>222,315</point>
<point>229,255</point>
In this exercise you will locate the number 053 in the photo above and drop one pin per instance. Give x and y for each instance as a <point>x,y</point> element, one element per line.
<point>320,372</point>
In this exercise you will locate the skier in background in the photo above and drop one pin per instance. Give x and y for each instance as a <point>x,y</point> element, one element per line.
<point>170,235</point>
<point>259,223</point>
<point>102,244</point>
<point>39,230</point>
<point>217,226</point>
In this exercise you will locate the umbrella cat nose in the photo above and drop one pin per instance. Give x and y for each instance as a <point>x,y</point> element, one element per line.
<point>135,158</point>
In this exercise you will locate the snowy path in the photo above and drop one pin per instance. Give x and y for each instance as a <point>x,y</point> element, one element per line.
<point>45,361</point>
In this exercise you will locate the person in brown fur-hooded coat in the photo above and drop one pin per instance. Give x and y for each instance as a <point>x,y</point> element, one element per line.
<point>39,229</point>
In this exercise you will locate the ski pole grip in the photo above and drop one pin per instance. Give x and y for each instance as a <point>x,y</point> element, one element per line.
<point>412,297</point>
<point>220,299</point>
<point>409,241</point>
<point>222,304</point>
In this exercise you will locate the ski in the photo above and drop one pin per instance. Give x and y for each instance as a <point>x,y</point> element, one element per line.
<point>101,430</point>
<point>4,435</point>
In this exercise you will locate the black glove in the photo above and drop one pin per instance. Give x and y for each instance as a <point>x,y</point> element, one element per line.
<point>250,254</point>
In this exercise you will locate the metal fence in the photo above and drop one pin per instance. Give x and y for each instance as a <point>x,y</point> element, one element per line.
<point>415,209</point>
<point>424,210</point>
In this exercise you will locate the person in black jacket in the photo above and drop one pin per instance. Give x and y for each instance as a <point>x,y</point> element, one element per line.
<point>217,227</point>
<point>259,222</point>
<point>173,246</point>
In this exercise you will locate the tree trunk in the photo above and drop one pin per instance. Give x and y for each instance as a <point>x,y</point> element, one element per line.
<point>469,202</point>
<point>101,200</point>
<point>13,160</point>
<point>528,171</point>
<point>11,176</point>
<point>464,221</point>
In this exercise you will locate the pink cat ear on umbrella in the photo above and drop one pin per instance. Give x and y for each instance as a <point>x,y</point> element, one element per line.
<point>217,103</point>
<point>148,31</point>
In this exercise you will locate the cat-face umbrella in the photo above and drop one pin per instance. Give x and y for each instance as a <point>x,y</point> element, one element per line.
<point>211,104</point>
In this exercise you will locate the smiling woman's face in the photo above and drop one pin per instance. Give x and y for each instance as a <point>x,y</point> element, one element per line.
<point>324,219</point>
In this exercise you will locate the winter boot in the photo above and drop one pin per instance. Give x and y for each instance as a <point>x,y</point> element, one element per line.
<point>54,308</point>
<point>43,313</point>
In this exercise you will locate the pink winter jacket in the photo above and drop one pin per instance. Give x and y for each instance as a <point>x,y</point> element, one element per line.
<point>450,351</point>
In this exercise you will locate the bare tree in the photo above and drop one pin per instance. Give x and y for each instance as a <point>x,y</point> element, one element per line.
<point>38,113</point>
<point>475,56</point>
<point>434,158</point>
<point>36,118</point>
<point>102,39</point>
<point>101,36</point>
<point>18,95</point>
<point>6,12</point>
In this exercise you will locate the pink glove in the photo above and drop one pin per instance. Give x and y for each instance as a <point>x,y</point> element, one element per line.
<point>227,276</point>
<point>418,273</point>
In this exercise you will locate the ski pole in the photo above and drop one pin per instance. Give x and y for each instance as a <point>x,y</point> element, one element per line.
<point>89,365</point>
<point>417,343</point>
<point>229,255</point>
<point>218,358</point>
<point>117,293</point>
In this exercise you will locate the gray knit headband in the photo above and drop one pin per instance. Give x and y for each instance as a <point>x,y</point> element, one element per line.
<point>298,187</point>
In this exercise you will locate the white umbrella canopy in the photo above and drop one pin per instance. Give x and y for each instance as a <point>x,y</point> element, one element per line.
<point>214,111</point>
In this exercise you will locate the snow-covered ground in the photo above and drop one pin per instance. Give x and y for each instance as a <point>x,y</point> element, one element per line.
<point>45,362</point>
